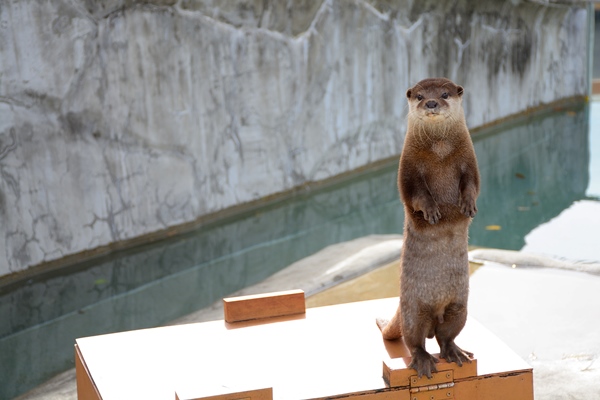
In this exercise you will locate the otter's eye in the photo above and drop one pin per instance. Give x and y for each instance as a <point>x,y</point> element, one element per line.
<point>419,97</point>
<point>444,95</point>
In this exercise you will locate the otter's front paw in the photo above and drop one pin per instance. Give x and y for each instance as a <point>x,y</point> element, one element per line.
<point>468,207</point>
<point>432,215</point>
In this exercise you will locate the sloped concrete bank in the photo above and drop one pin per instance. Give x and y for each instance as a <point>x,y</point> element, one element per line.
<point>120,119</point>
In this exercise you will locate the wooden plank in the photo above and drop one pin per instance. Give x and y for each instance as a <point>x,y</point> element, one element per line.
<point>389,394</point>
<point>515,386</point>
<point>85,385</point>
<point>222,393</point>
<point>331,352</point>
<point>245,308</point>
<point>397,374</point>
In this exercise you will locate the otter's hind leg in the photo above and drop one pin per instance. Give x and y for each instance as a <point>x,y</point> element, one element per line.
<point>422,361</point>
<point>417,329</point>
<point>391,330</point>
<point>455,317</point>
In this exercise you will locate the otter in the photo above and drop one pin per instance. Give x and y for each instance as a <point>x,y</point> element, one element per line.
<point>438,182</point>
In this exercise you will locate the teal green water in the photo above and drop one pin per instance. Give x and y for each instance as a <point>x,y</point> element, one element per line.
<point>531,169</point>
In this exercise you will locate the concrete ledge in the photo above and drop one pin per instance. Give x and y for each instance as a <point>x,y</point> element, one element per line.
<point>520,259</point>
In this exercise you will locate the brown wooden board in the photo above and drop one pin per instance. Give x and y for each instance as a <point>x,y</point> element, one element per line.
<point>328,352</point>
<point>85,386</point>
<point>222,393</point>
<point>244,308</point>
<point>397,373</point>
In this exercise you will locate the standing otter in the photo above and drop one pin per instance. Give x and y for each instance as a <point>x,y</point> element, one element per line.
<point>438,181</point>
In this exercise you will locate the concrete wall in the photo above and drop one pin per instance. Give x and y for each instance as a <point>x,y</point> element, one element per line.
<point>120,118</point>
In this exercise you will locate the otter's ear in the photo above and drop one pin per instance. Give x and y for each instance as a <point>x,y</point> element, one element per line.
<point>459,90</point>
<point>408,93</point>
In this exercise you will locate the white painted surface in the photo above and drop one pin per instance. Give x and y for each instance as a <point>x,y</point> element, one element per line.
<point>551,318</point>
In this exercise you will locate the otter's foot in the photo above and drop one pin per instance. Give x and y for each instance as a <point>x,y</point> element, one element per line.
<point>423,362</point>
<point>452,353</point>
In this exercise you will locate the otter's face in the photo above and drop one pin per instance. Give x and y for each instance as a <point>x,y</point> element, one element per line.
<point>435,99</point>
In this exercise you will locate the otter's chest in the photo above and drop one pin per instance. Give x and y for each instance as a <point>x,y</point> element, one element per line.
<point>441,176</point>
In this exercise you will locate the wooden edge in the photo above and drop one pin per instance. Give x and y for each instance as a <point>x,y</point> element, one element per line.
<point>86,389</point>
<point>396,372</point>
<point>255,394</point>
<point>268,305</point>
<point>514,385</point>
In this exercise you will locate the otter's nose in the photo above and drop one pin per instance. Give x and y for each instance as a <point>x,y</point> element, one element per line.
<point>431,104</point>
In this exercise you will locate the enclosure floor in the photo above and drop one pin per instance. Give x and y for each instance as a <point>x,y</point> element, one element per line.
<point>541,313</point>
<point>377,284</point>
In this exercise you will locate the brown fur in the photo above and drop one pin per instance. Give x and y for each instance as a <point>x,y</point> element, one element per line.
<point>438,181</point>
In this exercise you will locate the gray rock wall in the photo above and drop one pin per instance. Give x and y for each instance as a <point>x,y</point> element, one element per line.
<point>122,118</point>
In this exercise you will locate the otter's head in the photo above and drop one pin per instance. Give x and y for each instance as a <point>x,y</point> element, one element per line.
<point>435,101</point>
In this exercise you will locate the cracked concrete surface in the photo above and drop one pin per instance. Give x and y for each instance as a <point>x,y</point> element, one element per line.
<point>122,118</point>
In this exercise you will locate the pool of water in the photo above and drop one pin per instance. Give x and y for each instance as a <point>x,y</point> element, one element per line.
<point>574,233</point>
<point>534,170</point>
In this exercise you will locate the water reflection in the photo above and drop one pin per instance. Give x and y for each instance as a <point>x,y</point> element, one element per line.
<point>593,190</point>
<point>531,171</point>
<point>573,234</point>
